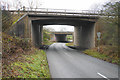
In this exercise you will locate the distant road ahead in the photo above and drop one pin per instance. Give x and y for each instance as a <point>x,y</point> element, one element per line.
<point>68,63</point>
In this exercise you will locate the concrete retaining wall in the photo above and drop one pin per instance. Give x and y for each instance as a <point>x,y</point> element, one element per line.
<point>21,28</point>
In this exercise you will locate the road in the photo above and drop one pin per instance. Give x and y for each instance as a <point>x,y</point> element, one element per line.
<point>65,62</point>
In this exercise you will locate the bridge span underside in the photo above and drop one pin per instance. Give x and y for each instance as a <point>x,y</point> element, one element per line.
<point>84,29</point>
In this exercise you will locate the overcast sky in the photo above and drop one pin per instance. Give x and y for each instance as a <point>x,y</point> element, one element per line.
<point>62,4</point>
<point>72,4</point>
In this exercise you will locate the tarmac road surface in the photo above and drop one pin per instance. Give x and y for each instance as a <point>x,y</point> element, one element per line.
<point>65,62</point>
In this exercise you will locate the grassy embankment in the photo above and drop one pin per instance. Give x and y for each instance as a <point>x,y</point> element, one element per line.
<point>21,60</point>
<point>48,43</point>
<point>69,44</point>
<point>106,53</point>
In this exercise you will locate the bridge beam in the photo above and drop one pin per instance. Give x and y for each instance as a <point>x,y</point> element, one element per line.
<point>37,36</point>
<point>84,36</point>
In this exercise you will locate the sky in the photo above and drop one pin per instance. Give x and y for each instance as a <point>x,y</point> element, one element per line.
<point>71,4</point>
<point>62,4</point>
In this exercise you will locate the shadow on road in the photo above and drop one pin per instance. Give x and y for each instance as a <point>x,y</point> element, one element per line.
<point>77,48</point>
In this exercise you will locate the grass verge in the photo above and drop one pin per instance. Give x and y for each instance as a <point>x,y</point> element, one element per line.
<point>33,66</point>
<point>48,42</point>
<point>28,66</point>
<point>106,53</point>
<point>69,44</point>
<point>22,60</point>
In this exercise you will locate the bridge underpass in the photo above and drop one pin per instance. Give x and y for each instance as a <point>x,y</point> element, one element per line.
<point>84,33</point>
<point>31,26</point>
<point>61,36</point>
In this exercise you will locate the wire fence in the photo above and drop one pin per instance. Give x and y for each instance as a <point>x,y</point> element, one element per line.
<point>8,19</point>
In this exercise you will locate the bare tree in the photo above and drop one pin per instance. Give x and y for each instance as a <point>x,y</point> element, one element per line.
<point>31,4</point>
<point>63,29</point>
<point>34,4</point>
<point>4,5</point>
<point>17,4</point>
<point>96,7</point>
<point>38,3</point>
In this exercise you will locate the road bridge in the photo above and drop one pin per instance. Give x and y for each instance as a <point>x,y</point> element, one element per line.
<point>61,36</point>
<point>31,26</point>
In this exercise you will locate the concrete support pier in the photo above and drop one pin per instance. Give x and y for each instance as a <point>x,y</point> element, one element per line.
<point>84,36</point>
<point>40,35</point>
<point>37,34</point>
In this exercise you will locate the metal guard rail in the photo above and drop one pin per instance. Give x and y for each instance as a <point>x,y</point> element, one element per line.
<point>58,11</point>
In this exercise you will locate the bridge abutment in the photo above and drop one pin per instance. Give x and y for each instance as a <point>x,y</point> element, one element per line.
<point>84,36</point>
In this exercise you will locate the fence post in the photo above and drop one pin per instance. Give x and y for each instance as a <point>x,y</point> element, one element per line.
<point>47,11</point>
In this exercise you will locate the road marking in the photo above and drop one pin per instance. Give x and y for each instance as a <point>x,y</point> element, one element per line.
<point>102,76</point>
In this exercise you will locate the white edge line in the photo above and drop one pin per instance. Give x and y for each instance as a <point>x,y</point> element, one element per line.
<point>102,76</point>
